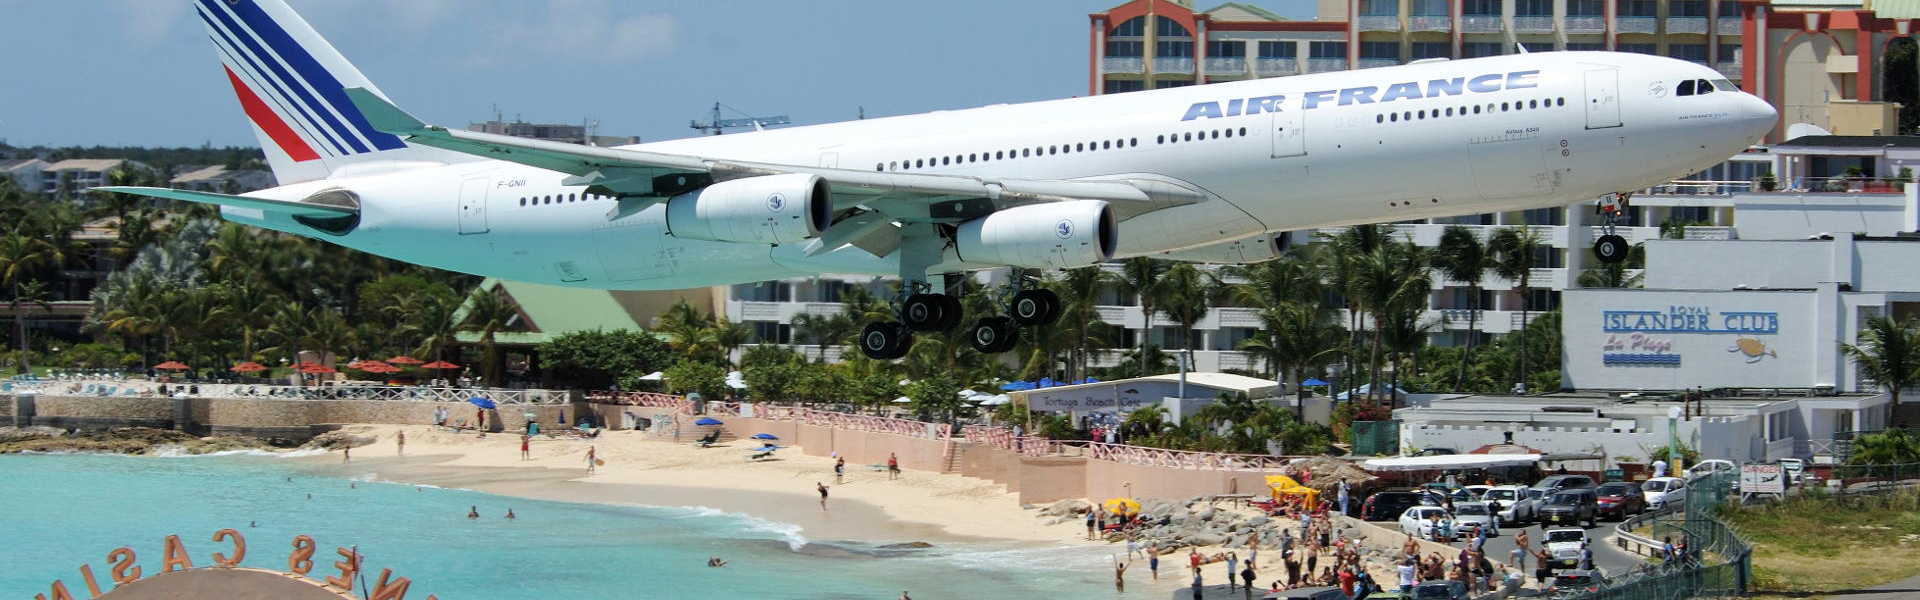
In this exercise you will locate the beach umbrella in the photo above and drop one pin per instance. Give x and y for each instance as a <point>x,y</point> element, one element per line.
<point>248,367</point>
<point>405,360</point>
<point>707,422</point>
<point>996,400</point>
<point>766,448</point>
<point>1093,380</point>
<point>1315,382</point>
<point>316,369</point>
<point>765,436</point>
<point>481,402</point>
<point>1016,386</point>
<point>172,365</point>
<point>902,400</point>
<point>440,365</point>
<point>738,385</point>
<point>654,376</point>
<point>1121,506</point>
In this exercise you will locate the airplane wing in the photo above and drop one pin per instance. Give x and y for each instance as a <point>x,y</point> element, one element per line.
<point>907,197</point>
<point>295,208</point>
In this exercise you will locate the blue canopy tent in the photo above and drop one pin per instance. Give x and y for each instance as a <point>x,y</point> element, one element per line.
<point>1017,386</point>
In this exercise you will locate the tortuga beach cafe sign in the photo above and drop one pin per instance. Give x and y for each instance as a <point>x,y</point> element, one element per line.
<point>124,571</point>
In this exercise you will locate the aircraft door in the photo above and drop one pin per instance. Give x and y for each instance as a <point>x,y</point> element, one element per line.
<point>473,205</point>
<point>1289,129</point>
<point>1603,98</point>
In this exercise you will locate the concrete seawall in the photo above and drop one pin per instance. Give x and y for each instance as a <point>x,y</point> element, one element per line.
<point>291,419</point>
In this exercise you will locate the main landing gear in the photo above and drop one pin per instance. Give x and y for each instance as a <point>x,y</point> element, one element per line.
<point>1610,247</point>
<point>926,312</point>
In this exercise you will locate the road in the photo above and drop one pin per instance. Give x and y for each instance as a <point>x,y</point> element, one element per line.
<point>1609,559</point>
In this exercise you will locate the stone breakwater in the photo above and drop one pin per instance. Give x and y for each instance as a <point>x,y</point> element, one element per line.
<point>125,440</point>
<point>283,420</point>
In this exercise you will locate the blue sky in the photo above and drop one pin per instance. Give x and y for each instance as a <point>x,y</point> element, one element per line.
<point>141,72</point>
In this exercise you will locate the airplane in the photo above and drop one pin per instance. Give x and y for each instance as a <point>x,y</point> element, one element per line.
<point>1216,173</point>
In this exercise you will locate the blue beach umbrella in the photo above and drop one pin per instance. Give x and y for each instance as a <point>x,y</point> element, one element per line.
<point>481,402</point>
<point>765,436</point>
<point>766,448</point>
<point>707,421</point>
<point>1314,381</point>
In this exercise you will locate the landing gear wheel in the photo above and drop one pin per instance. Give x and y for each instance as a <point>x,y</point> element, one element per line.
<point>924,312</point>
<point>1035,307</point>
<point>885,340</point>
<point>1610,248</point>
<point>950,312</point>
<point>993,335</point>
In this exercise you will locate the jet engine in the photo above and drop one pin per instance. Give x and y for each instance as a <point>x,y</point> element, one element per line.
<point>772,209</point>
<point>1060,235</point>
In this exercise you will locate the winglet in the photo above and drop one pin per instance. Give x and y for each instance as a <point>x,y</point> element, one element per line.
<point>383,115</point>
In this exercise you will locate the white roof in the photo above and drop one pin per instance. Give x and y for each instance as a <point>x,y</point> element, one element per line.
<point>1253,387</point>
<point>1449,461</point>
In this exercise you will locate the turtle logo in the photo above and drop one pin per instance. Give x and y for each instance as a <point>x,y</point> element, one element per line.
<point>1754,349</point>
<point>775,202</point>
<point>1063,229</point>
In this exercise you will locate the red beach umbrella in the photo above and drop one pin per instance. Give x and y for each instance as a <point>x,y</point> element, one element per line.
<point>405,360</point>
<point>172,365</point>
<point>440,365</point>
<point>248,367</point>
<point>313,369</point>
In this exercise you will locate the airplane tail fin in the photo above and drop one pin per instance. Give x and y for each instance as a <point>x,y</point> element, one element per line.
<point>292,86</point>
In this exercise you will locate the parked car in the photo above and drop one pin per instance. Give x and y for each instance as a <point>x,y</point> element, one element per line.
<point>1479,492</point>
<point>1662,492</point>
<point>1471,516</point>
<point>1527,508</point>
<point>1620,499</point>
<point>1436,452</point>
<point>1571,506</point>
<point>1308,593</point>
<point>1387,506</point>
<point>1500,497</point>
<point>1439,589</point>
<point>1418,521</point>
<point>1562,482</point>
<point>1795,469</point>
<point>1577,581</point>
<point>1564,544</point>
<point>1710,466</point>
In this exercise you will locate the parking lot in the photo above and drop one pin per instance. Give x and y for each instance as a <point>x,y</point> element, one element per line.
<point>1606,557</point>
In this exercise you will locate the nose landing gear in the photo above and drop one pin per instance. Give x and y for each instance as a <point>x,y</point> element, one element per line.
<point>1611,247</point>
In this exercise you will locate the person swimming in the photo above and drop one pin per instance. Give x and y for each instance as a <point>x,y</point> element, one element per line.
<point>716,562</point>
<point>509,512</point>
<point>473,512</point>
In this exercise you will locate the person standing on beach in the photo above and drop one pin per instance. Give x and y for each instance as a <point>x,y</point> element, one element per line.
<point>346,452</point>
<point>526,447</point>
<point>893,466</point>
<point>1246,575</point>
<point>1193,560</point>
<point>400,441</point>
<point>839,469</point>
<point>480,419</point>
<point>1090,523</point>
<point>592,458</point>
<point>1197,583</point>
<point>823,494</point>
<point>1153,561</point>
<point>1343,497</point>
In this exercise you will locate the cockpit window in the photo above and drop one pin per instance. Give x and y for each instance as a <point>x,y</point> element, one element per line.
<point>1725,85</point>
<point>1685,89</point>
<point>1702,87</point>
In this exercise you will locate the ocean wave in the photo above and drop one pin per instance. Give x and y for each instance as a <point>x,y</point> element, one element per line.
<point>787,532</point>
<point>172,451</point>
<point>1027,558</point>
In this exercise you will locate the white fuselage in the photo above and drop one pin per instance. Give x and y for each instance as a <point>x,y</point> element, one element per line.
<point>1388,144</point>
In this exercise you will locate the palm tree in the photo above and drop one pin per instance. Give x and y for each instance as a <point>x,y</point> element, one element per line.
<point>1464,258</point>
<point>1888,352</point>
<point>487,312</point>
<point>1297,337</point>
<point>825,330</point>
<point>730,336</point>
<point>1188,295</point>
<point>690,331</point>
<point>1079,291</point>
<point>1392,277</point>
<point>1146,420</point>
<point>21,255</point>
<point>1513,248</point>
<point>435,322</point>
<point>30,293</point>
<point>1404,333</point>
<point>1140,276</point>
<point>1890,447</point>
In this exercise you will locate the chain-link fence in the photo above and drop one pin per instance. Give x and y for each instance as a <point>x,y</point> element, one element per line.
<point>1715,561</point>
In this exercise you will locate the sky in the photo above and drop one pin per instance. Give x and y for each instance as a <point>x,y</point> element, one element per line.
<point>142,72</point>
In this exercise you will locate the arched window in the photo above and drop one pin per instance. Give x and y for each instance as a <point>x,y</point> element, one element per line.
<point>1133,27</point>
<point>1166,27</point>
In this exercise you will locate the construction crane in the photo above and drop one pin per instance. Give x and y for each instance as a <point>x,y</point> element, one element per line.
<point>718,124</point>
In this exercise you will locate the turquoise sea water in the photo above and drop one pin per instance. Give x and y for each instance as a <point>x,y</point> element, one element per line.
<point>59,511</point>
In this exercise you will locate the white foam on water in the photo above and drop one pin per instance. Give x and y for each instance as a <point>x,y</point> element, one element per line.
<point>173,451</point>
<point>1047,558</point>
<point>788,532</point>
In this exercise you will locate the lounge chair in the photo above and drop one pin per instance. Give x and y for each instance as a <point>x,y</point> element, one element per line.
<point>759,455</point>
<point>709,440</point>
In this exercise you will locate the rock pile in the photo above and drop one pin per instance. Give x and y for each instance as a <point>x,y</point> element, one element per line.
<point>125,440</point>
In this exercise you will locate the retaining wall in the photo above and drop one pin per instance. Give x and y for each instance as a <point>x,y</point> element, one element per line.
<point>295,419</point>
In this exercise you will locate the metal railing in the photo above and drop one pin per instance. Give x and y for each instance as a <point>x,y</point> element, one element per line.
<point>1123,64</point>
<point>1629,24</point>
<point>1268,67</point>
<point>1173,64</point>
<point>1323,65</point>
<point>1728,26</point>
<point>1377,23</point>
<point>1585,24</point>
<point>1370,63</point>
<point>1687,25</point>
<point>1226,65</point>
<point>1716,561</point>
<point>1533,24</point>
<point>366,392</point>
<point>854,422</point>
<point>1430,23</point>
<point>1482,24</point>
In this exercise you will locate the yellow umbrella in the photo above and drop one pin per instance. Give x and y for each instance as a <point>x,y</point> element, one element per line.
<point>1121,506</point>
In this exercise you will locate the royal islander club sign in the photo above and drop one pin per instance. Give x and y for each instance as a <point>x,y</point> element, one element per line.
<point>219,573</point>
<point>1654,340</point>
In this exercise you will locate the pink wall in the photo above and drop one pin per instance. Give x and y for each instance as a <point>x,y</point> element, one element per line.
<point>1108,479</point>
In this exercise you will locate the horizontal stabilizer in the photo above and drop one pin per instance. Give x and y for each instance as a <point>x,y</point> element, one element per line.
<point>288,207</point>
<point>383,115</point>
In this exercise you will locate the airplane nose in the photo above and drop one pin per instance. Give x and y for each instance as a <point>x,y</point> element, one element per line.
<point>1758,116</point>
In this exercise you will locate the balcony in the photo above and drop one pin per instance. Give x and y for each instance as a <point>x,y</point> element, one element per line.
<point>1482,24</point>
<point>1731,69</point>
<point>1441,23</point>
<point>1272,67</point>
<point>1226,65</point>
<point>1173,64</point>
<point>1533,24</point>
<point>1369,63</point>
<point>1687,25</point>
<point>1123,64</point>
<point>1635,24</point>
<point>1586,24</point>
<point>1230,316</point>
<point>1322,65</point>
<point>1728,26</point>
<point>1377,23</point>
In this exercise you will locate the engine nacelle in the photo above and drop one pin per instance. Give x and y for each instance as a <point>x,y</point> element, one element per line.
<point>772,209</point>
<point>1260,248</point>
<point>1059,235</point>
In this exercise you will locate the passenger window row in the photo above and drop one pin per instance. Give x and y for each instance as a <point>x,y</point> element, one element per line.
<point>1190,136</point>
<point>561,199</point>
<point>1435,113</point>
<point>977,157</point>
